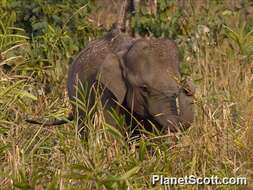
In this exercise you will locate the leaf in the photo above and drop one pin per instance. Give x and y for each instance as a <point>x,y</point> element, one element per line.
<point>23,93</point>
<point>3,148</point>
<point>39,25</point>
<point>7,90</point>
<point>52,185</point>
<point>115,133</point>
<point>130,173</point>
<point>142,150</point>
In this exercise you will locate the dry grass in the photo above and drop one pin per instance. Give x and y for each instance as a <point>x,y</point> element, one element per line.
<point>218,51</point>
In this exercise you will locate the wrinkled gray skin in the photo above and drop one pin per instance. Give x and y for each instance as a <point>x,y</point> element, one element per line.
<point>138,74</point>
<point>100,61</point>
<point>150,70</point>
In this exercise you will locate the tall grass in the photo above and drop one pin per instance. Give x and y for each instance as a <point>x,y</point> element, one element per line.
<point>217,52</point>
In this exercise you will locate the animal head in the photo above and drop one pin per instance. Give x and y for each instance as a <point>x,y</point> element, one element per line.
<point>146,78</point>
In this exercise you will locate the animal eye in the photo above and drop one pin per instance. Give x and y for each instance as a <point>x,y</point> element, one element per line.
<point>144,88</point>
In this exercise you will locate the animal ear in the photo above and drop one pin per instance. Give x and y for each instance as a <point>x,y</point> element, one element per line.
<point>110,74</point>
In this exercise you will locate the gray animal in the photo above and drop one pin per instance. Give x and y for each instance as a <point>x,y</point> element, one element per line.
<point>141,75</point>
<point>150,70</point>
<point>137,74</point>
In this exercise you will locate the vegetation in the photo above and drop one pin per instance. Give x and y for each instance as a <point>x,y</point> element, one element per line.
<point>37,40</point>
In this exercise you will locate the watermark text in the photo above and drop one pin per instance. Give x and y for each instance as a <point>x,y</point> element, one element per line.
<point>194,180</point>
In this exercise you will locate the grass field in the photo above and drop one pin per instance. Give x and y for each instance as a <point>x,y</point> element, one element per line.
<point>217,48</point>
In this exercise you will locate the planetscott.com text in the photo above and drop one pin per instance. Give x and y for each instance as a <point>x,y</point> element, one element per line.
<point>194,180</point>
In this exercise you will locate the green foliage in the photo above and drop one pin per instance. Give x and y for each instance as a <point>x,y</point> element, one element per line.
<point>56,30</point>
<point>35,16</point>
<point>164,23</point>
<point>36,40</point>
<point>241,40</point>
